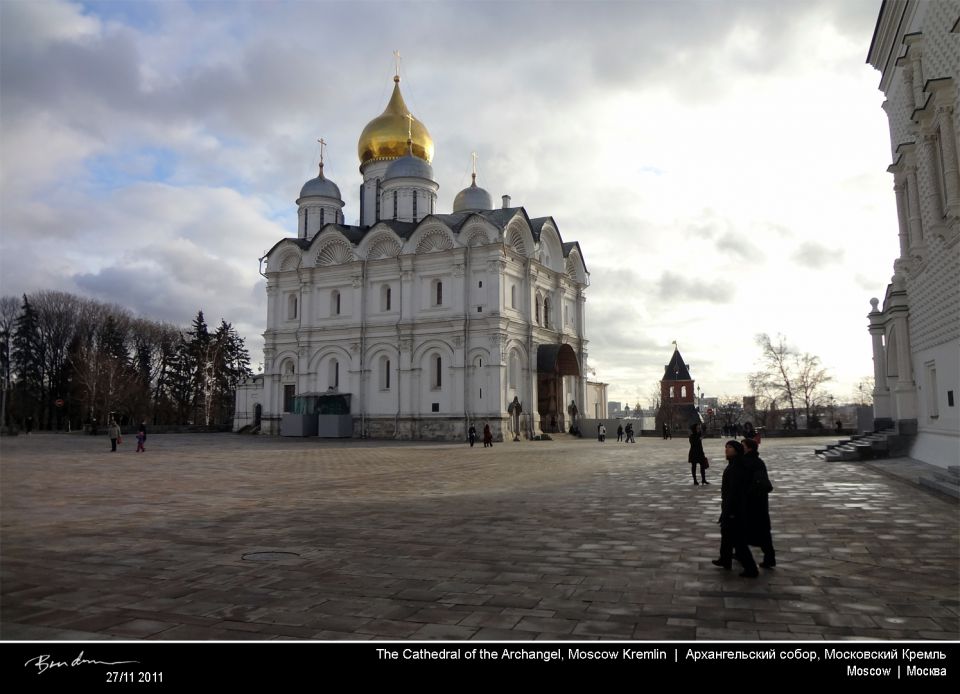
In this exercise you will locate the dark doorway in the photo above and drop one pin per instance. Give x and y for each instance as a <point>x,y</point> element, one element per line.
<point>553,363</point>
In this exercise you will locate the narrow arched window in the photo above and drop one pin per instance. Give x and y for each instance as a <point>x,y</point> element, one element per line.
<point>291,307</point>
<point>546,312</point>
<point>323,214</point>
<point>335,303</point>
<point>394,204</point>
<point>384,373</point>
<point>513,296</point>
<point>377,209</point>
<point>537,309</point>
<point>683,391</point>
<point>439,297</point>
<point>437,368</point>
<point>414,205</point>
<point>334,374</point>
<point>671,391</point>
<point>514,369</point>
<point>306,214</point>
<point>385,297</point>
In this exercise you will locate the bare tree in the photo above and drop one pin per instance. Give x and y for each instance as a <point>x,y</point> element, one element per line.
<point>810,377</point>
<point>776,374</point>
<point>863,391</point>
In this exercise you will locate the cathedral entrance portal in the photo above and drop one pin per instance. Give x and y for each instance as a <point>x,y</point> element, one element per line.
<point>553,363</point>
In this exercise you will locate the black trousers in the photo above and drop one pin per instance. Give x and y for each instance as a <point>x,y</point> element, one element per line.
<point>703,471</point>
<point>733,544</point>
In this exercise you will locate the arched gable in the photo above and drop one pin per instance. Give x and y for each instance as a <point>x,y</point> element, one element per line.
<point>575,268</point>
<point>331,247</point>
<point>429,238</point>
<point>380,244</point>
<point>286,256</point>
<point>551,247</point>
<point>518,236</point>
<point>477,231</point>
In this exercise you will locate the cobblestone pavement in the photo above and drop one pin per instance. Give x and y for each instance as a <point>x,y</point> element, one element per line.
<point>555,540</point>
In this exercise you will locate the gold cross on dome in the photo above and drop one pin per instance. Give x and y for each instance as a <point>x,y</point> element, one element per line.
<point>473,155</point>
<point>323,143</point>
<point>409,118</point>
<point>396,59</point>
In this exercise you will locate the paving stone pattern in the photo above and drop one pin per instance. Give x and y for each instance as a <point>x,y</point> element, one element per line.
<point>569,539</point>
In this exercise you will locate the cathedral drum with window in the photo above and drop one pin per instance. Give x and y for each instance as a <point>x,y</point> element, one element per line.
<point>431,322</point>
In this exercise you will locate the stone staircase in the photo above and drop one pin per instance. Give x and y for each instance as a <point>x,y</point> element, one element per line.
<point>946,482</point>
<point>880,444</point>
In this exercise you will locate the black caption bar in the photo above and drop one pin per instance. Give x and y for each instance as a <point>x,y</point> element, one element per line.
<point>174,666</point>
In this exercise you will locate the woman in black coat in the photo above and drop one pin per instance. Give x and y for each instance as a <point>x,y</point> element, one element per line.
<point>696,455</point>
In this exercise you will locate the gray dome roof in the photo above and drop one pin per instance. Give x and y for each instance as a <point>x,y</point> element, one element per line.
<point>472,198</point>
<point>320,187</point>
<point>409,166</point>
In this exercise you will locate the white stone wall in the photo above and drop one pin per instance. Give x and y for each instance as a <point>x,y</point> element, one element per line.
<point>474,345</point>
<point>919,59</point>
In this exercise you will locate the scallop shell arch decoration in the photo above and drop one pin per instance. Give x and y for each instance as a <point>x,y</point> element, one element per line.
<point>289,262</point>
<point>335,253</point>
<point>571,268</point>
<point>515,241</point>
<point>477,237</point>
<point>435,240</point>
<point>385,247</point>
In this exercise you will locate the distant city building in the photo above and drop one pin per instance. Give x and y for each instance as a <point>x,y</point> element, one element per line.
<point>614,408</point>
<point>916,332</point>
<point>430,321</point>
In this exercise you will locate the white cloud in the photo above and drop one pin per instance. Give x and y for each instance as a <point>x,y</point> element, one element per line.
<point>707,157</point>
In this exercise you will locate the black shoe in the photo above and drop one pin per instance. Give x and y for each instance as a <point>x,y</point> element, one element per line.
<point>696,483</point>
<point>720,562</point>
<point>704,482</point>
<point>768,564</point>
<point>750,574</point>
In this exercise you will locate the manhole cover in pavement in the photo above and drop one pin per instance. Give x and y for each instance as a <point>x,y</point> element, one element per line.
<point>270,556</point>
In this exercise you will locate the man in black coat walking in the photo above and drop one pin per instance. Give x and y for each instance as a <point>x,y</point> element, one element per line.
<point>758,506</point>
<point>733,515</point>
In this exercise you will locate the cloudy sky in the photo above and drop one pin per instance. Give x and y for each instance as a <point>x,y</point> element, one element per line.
<point>723,165</point>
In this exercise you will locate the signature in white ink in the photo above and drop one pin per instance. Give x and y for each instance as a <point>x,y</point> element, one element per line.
<point>43,662</point>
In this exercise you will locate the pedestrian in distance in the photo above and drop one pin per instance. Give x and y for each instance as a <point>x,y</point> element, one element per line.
<point>113,431</point>
<point>472,435</point>
<point>141,446</point>
<point>696,456</point>
<point>733,514</point>
<point>629,432</point>
<point>603,433</point>
<point>619,433</point>
<point>487,436</point>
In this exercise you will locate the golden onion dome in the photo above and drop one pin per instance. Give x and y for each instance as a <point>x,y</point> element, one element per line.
<point>385,137</point>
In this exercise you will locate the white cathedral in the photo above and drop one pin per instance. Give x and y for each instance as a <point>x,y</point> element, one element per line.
<point>916,330</point>
<point>431,322</point>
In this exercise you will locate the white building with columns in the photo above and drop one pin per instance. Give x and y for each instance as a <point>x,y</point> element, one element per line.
<point>431,321</point>
<point>916,331</point>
